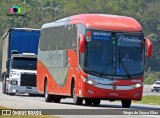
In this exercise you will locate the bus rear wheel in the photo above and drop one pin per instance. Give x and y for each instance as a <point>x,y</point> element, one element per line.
<point>48,97</point>
<point>126,103</point>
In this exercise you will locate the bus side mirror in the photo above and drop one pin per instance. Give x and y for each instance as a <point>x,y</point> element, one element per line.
<point>149,48</point>
<point>82,43</point>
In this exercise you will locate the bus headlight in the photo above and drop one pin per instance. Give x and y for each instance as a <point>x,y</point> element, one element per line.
<point>137,85</point>
<point>88,81</point>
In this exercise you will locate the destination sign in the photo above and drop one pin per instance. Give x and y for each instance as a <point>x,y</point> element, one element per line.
<point>100,35</point>
<point>129,40</point>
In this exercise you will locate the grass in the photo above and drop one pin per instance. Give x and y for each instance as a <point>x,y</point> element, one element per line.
<point>25,116</point>
<point>1,107</point>
<point>151,99</point>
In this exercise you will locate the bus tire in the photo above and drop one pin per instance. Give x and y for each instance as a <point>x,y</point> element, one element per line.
<point>96,102</point>
<point>126,103</point>
<point>88,102</point>
<point>76,100</point>
<point>48,97</point>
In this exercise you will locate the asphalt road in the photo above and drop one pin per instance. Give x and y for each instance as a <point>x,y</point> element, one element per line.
<point>67,109</point>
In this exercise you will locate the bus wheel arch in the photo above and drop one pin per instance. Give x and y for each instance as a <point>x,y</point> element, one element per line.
<point>72,85</point>
<point>45,80</point>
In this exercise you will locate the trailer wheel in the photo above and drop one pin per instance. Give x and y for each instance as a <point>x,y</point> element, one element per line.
<point>76,100</point>
<point>126,103</point>
<point>48,97</point>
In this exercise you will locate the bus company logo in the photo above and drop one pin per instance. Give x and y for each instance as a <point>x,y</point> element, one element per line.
<point>15,11</point>
<point>114,87</point>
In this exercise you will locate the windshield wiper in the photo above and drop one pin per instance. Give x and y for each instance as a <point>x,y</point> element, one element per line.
<point>124,67</point>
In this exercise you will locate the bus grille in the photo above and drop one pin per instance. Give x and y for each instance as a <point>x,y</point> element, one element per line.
<point>28,79</point>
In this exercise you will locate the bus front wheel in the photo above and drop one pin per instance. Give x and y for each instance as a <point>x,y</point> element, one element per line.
<point>126,103</point>
<point>76,100</point>
<point>88,102</point>
<point>96,102</point>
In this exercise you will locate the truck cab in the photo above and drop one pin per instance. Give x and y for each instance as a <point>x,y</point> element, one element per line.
<point>21,74</point>
<point>20,47</point>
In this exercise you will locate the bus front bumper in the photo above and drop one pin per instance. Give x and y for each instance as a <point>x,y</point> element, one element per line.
<point>113,93</point>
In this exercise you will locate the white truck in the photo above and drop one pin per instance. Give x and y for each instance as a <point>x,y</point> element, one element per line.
<point>19,61</point>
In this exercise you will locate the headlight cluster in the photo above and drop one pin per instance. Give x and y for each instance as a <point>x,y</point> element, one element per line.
<point>89,81</point>
<point>13,74</point>
<point>137,85</point>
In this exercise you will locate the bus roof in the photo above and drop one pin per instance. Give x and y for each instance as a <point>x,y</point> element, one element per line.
<point>100,21</point>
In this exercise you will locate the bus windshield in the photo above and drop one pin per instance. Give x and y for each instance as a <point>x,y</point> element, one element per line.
<point>24,63</point>
<point>115,54</point>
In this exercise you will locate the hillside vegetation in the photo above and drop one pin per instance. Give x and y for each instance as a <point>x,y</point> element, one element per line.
<point>38,12</point>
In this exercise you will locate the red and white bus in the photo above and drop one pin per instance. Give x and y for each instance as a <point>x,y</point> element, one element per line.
<point>92,57</point>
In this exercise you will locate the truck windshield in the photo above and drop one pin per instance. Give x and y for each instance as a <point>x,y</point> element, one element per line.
<point>24,63</point>
<point>115,54</point>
